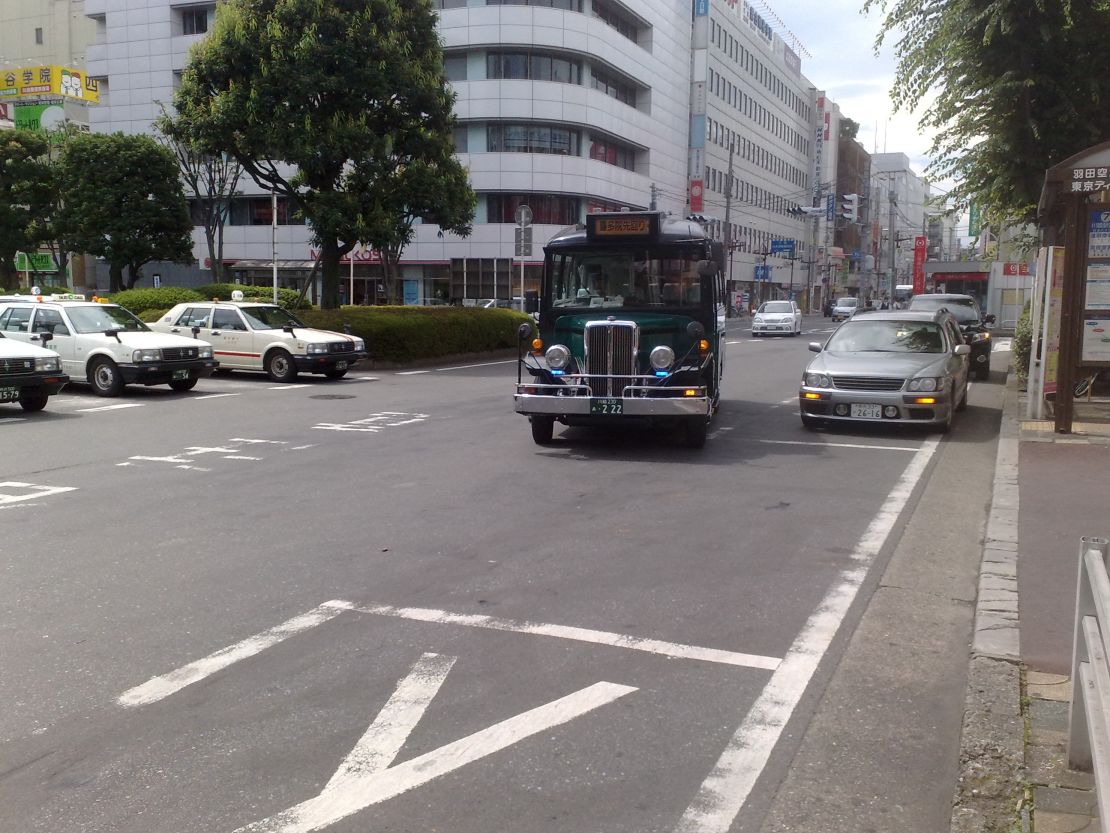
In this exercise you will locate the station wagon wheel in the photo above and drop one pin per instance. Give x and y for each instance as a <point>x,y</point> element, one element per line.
<point>105,378</point>
<point>543,429</point>
<point>33,402</point>
<point>280,367</point>
<point>182,385</point>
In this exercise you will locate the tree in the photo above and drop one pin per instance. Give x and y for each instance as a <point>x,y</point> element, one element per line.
<point>332,103</point>
<point>212,179</point>
<point>1015,90</point>
<point>849,128</point>
<point>26,194</point>
<point>122,200</point>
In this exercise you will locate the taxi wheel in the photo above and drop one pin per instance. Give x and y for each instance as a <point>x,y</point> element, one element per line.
<point>543,429</point>
<point>104,378</point>
<point>183,384</point>
<point>335,374</point>
<point>280,367</point>
<point>33,402</point>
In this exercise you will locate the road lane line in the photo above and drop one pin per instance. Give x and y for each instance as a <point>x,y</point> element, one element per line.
<point>616,640</point>
<point>468,366</point>
<point>842,445</point>
<point>111,407</point>
<point>158,688</point>
<point>214,396</point>
<point>725,791</point>
<point>329,807</point>
<point>412,372</point>
<point>286,387</point>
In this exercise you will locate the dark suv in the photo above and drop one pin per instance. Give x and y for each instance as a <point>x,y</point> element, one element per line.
<point>972,325</point>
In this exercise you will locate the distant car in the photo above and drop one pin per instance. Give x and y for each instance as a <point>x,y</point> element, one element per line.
<point>892,366</point>
<point>249,335</point>
<point>844,308</point>
<point>29,374</point>
<point>777,318</point>
<point>972,323</point>
<point>106,345</point>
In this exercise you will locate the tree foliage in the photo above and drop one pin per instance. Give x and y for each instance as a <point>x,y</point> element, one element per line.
<point>1017,89</point>
<point>340,105</point>
<point>27,192</point>
<point>123,202</point>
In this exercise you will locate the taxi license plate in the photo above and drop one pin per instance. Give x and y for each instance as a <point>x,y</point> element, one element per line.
<point>340,365</point>
<point>9,394</point>
<point>867,411</point>
<point>180,374</point>
<point>606,407</point>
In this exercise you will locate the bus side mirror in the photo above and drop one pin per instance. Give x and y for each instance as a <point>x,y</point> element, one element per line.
<point>989,319</point>
<point>707,268</point>
<point>695,330</point>
<point>524,332</point>
<point>531,301</point>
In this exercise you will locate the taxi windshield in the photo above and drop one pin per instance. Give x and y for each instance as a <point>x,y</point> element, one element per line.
<point>625,278</point>
<point>269,318</point>
<point>99,318</point>
<point>872,336</point>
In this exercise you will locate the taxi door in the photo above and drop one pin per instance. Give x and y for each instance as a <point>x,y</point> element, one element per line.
<point>232,340</point>
<point>64,342</point>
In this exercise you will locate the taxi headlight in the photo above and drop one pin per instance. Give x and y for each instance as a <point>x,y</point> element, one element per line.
<point>317,348</point>
<point>50,364</point>
<point>817,380</point>
<point>205,351</point>
<point>661,357</point>
<point>360,345</point>
<point>558,357</point>
<point>146,356</point>
<point>927,383</point>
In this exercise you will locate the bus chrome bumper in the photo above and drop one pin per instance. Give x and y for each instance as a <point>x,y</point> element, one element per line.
<point>602,406</point>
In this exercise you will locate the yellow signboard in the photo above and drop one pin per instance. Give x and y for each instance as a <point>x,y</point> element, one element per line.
<point>49,81</point>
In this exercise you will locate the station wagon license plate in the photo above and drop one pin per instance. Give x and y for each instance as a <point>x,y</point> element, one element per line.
<point>9,394</point>
<point>867,411</point>
<point>606,407</point>
<point>180,374</point>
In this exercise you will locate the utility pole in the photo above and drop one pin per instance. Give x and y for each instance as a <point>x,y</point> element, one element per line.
<point>728,218</point>
<point>893,243</point>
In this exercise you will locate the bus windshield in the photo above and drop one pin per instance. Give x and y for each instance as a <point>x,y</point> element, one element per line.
<point>643,277</point>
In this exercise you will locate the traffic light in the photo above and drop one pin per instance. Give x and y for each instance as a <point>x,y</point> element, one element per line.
<point>849,205</point>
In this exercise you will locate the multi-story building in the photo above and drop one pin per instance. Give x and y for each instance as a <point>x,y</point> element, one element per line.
<point>899,200</point>
<point>852,226</point>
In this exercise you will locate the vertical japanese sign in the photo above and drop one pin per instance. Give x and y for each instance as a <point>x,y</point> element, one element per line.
<point>919,244</point>
<point>973,222</point>
<point>697,203</point>
<point>1052,317</point>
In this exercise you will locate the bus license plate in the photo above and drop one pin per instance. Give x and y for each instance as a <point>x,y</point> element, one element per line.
<point>180,374</point>
<point>606,407</point>
<point>9,394</point>
<point>867,411</point>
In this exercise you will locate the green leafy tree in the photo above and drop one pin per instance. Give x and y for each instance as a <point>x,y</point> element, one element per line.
<point>27,192</point>
<point>1016,90</point>
<point>333,104</point>
<point>122,200</point>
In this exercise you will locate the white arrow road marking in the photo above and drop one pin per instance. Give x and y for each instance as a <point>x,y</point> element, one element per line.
<point>35,491</point>
<point>345,795</point>
<point>726,789</point>
<point>110,407</point>
<point>158,688</point>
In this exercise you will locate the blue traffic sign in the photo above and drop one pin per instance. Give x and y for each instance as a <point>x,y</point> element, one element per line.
<point>782,247</point>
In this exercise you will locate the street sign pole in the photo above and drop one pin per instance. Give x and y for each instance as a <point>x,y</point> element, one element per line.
<point>523,244</point>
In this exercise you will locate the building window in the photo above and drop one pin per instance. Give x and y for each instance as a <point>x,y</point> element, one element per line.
<point>533,66</point>
<point>613,87</point>
<point>547,209</point>
<point>38,35</point>
<point>194,21</point>
<point>454,67</point>
<point>532,138</point>
<point>569,5</point>
<point>613,153</point>
<point>615,17</point>
<point>450,4</point>
<point>255,211</point>
<point>461,137</point>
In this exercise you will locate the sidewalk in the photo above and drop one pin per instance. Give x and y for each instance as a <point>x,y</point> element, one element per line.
<point>1049,490</point>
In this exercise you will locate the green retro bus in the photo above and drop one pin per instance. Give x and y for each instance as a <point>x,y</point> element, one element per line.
<point>631,318</point>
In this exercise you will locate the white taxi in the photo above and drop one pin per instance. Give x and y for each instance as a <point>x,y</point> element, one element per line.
<point>106,345</point>
<point>252,335</point>
<point>29,374</point>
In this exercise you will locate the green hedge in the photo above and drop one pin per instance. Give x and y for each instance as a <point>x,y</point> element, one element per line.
<point>45,289</point>
<point>287,298</point>
<point>140,300</point>
<point>1022,345</point>
<point>411,333</point>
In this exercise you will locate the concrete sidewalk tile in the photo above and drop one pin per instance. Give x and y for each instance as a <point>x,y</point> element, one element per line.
<point>1063,800</point>
<point>1044,686</point>
<point>1046,764</point>
<point>1050,822</point>
<point>1050,715</point>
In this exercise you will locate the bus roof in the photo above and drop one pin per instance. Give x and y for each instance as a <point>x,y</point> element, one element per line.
<point>671,231</point>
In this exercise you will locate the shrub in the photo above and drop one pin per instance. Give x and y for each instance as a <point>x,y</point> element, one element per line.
<point>412,333</point>
<point>141,300</point>
<point>151,315</point>
<point>287,298</point>
<point>1022,345</point>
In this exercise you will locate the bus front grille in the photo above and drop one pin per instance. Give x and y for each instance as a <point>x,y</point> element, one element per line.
<point>611,355</point>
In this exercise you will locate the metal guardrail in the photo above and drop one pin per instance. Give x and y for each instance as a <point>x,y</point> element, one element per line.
<point>1089,713</point>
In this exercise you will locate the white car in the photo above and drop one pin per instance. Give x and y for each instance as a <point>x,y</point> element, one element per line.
<point>777,318</point>
<point>251,335</point>
<point>106,345</point>
<point>29,374</point>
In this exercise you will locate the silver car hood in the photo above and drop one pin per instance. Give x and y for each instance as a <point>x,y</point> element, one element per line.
<point>903,365</point>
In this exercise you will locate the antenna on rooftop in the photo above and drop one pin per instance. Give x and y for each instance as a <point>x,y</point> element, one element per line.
<point>784,30</point>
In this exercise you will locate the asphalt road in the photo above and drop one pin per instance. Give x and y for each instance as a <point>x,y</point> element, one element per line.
<point>375,604</point>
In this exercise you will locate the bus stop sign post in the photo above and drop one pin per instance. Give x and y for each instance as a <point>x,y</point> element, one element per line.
<point>523,243</point>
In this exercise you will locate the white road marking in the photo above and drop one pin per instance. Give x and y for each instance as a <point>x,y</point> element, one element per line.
<point>32,493</point>
<point>726,789</point>
<point>338,426</point>
<point>412,372</point>
<point>362,792</point>
<point>1002,345</point>
<point>197,450</point>
<point>468,366</point>
<point>616,640</point>
<point>158,688</point>
<point>240,457</point>
<point>111,407</point>
<point>789,400</point>
<point>6,420</point>
<point>302,447</point>
<point>161,459</point>
<point>213,396</point>
<point>286,387</point>
<point>257,442</point>
<point>842,445</point>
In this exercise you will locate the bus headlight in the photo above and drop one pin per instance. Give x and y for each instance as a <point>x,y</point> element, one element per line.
<point>662,357</point>
<point>558,357</point>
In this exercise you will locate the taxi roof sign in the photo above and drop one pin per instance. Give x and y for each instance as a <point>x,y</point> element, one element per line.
<point>67,296</point>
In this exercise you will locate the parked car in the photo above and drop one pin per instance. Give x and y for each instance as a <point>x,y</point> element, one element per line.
<point>844,308</point>
<point>106,345</point>
<point>777,318</point>
<point>250,335</point>
<point>29,374</point>
<point>972,323</point>
<point>893,366</point>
